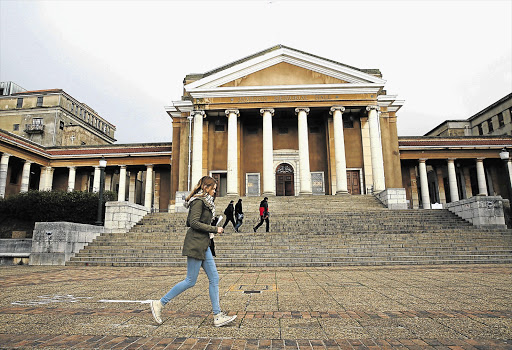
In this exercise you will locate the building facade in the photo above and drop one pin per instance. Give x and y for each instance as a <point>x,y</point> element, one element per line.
<point>53,118</point>
<point>286,122</point>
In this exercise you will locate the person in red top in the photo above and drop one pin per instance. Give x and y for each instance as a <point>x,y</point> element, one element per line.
<point>263,214</point>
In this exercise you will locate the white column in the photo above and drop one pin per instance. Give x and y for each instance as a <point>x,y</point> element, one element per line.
<point>379,183</point>
<point>197,148</point>
<point>49,178</point>
<point>305,173</point>
<point>425,195</point>
<point>232,175</point>
<point>148,196</point>
<point>71,178</point>
<point>131,187</point>
<point>339,150</point>
<point>452,181</point>
<point>480,174</point>
<point>121,196</point>
<point>4,165</point>
<point>269,179</point>
<point>509,165</point>
<point>96,180</point>
<point>25,176</point>
<point>42,179</point>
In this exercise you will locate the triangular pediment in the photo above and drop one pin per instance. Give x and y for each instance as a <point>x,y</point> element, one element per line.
<point>283,66</point>
<point>284,74</point>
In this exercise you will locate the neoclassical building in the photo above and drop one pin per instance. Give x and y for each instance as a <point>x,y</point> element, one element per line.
<point>286,122</point>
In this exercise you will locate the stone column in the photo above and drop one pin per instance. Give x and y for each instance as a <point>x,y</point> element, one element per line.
<point>49,178</point>
<point>4,165</point>
<point>509,166</point>
<point>480,174</point>
<point>197,148</point>
<point>148,195</point>
<point>131,187</point>
<point>467,182</point>
<point>269,180</point>
<point>71,178</point>
<point>379,183</point>
<point>339,150</point>
<point>305,173</point>
<point>96,180</point>
<point>425,195</point>
<point>452,181</point>
<point>121,196</point>
<point>440,185</point>
<point>25,176</point>
<point>42,178</point>
<point>232,175</point>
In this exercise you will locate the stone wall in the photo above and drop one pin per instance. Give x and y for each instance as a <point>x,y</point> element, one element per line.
<point>393,198</point>
<point>15,251</point>
<point>482,211</point>
<point>54,243</point>
<point>120,217</point>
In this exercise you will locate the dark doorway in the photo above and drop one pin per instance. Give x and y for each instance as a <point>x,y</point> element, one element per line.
<point>284,180</point>
<point>353,182</point>
<point>222,180</point>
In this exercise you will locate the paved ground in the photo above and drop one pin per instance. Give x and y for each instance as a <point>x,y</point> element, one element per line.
<point>414,307</point>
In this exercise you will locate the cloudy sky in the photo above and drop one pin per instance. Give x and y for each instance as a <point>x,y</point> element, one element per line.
<point>127,59</point>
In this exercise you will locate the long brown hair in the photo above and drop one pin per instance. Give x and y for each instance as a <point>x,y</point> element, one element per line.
<point>205,183</point>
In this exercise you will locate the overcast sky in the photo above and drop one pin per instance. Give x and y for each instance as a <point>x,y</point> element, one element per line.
<point>127,59</point>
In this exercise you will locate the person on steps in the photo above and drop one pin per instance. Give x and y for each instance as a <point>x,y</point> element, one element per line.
<point>230,215</point>
<point>239,214</point>
<point>198,248</point>
<point>263,214</point>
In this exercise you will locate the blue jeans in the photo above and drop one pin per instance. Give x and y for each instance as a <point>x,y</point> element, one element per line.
<point>193,266</point>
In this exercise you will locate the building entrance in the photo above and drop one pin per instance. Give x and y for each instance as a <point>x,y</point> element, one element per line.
<point>222,180</point>
<point>285,180</point>
<point>353,182</point>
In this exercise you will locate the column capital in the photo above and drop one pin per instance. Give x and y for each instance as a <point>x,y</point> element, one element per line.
<point>337,108</point>
<point>122,166</point>
<point>149,165</point>
<point>72,167</point>
<point>6,155</point>
<point>481,159</point>
<point>232,111</point>
<point>193,113</point>
<point>302,109</point>
<point>422,160</point>
<point>369,108</point>
<point>452,160</point>
<point>270,110</point>
<point>28,162</point>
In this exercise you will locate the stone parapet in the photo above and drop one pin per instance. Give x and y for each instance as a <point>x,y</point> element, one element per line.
<point>180,200</point>
<point>121,216</point>
<point>393,198</point>
<point>54,243</point>
<point>481,211</point>
<point>15,251</point>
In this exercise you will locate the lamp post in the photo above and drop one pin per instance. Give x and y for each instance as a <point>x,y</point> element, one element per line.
<point>103,165</point>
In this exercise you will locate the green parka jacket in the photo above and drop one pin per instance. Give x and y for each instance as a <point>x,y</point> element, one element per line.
<point>197,238</point>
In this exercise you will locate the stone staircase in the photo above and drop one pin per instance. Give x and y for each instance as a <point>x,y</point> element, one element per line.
<point>311,231</point>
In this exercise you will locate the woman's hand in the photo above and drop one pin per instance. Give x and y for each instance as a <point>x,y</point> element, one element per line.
<point>220,230</point>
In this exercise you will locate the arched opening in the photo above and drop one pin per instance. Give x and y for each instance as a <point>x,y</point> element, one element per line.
<point>285,180</point>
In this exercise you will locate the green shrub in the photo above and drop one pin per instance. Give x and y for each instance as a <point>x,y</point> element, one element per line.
<point>79,207</point>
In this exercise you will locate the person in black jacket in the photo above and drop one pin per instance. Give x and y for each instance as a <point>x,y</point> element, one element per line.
<point>230,212</point>
<point>263,214</point>
<point>239,214</point>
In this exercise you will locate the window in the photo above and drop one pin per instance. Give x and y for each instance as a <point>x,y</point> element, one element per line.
<point>489,125</point>
<point>61,125</point>
<point>16,127</point>
<point>19,103</point>
<point>501,122</point>
<point>348,122</point>
<point>39,101</point>
<point>37,121</point>
<point>480,130</point>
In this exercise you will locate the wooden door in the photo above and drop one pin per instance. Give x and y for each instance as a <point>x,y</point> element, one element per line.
<point>353,182</point>
<point>284,180</point>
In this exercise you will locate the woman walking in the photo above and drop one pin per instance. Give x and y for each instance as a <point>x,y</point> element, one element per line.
<point>197,248</point>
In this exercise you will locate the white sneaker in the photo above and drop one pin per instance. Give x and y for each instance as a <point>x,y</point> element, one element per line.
<point>221,319</point>
<point>156,310</point>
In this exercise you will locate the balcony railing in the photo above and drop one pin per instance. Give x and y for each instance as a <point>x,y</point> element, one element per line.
<point>34,128</point>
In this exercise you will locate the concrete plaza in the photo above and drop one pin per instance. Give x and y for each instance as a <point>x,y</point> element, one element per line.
<point>413,307</point>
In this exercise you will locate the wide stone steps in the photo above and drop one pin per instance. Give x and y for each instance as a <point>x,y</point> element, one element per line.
<point>311,231</point>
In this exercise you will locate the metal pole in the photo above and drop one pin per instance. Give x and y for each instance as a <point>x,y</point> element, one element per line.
<point>190,117</point>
